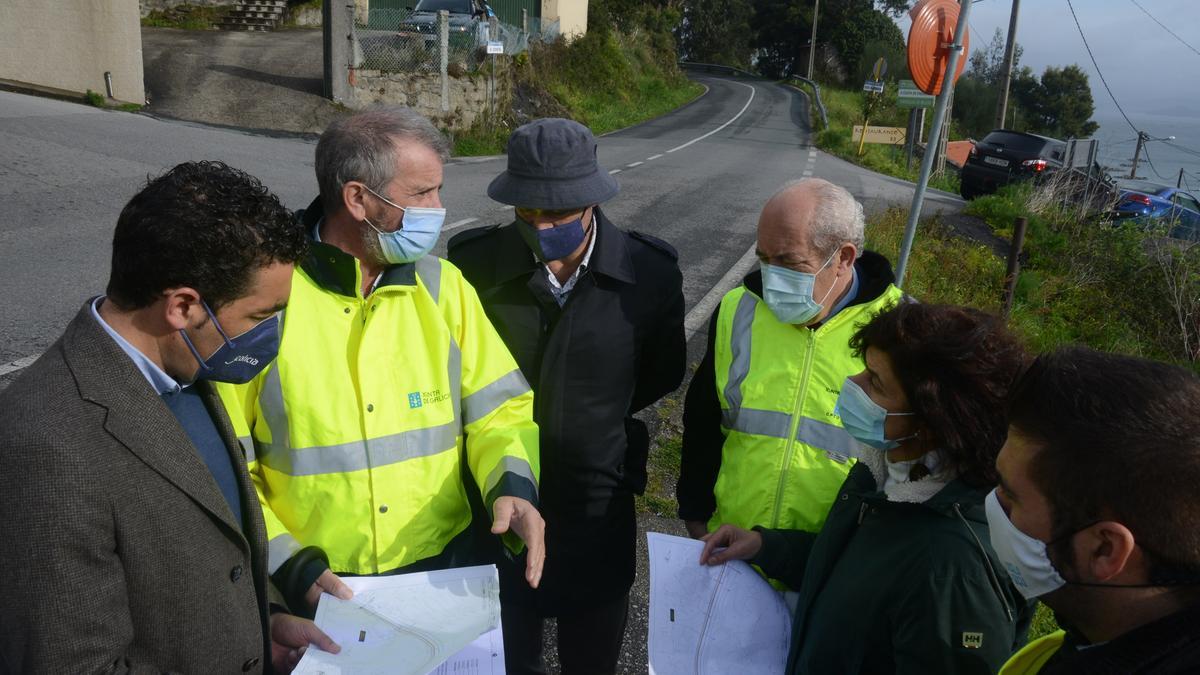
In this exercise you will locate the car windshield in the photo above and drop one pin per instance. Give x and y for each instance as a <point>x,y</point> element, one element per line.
<point>452,6</point>
<point>1019,142</point>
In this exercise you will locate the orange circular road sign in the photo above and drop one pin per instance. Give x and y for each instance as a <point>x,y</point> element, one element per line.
<point>929,42</point>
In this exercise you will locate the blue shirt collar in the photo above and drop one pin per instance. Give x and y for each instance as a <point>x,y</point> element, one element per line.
<point>851,293</point>
<point>158,379</point>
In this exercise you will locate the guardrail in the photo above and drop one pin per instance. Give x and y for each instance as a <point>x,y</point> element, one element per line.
<point>710,67</point>
<point>817,95</point>
<point>717,67</point>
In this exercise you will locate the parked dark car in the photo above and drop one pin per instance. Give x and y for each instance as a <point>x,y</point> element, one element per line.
<point>1004,157</point>
<point>466,18</point>
<point>1150,204</point>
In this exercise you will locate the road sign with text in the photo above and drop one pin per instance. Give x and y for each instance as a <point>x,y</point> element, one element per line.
<point>909,96</point>
<point>873,87</point>
<point>881,135</point>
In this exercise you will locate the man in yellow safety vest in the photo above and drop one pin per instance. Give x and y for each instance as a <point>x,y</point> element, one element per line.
<point>391,385</point>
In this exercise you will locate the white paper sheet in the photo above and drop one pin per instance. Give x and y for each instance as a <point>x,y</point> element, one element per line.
<point>712,620</point>
<point>442,623</point>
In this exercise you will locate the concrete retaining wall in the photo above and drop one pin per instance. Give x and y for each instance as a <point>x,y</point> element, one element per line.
<point>67,45</point>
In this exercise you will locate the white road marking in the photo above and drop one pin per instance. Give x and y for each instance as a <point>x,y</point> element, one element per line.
<point>698,317</point>
<point>630,166</point>
<point>807,173</point>
<point>457,224</point>
<point>505,207</point>
<point>615,171</point>
<point>753,91</point>
<point>19,364</point>
<point>653,157</point>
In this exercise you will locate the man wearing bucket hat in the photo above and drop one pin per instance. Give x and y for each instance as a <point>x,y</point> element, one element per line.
<point>594,317</point>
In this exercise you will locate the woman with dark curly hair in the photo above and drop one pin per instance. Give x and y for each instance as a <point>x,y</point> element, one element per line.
<point>902,577</point>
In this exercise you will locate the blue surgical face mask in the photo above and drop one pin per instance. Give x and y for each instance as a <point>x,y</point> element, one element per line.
<point>553,243</point>
<point>863,418</point>
<point>418,233</point>
<point>789,294</point>
<point>241,358</point>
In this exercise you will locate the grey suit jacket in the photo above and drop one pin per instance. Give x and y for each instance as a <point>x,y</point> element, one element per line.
<point>119,553</point>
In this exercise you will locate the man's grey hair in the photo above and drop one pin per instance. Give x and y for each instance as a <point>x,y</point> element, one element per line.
<point>837,216</point>
<point>362,147</point>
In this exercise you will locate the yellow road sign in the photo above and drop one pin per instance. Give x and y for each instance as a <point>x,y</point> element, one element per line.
<point>882,135</point>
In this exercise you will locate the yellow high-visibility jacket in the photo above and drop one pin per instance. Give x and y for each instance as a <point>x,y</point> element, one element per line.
<point>1030,659</point>
<point>785,453</point>
<point>355,433</point>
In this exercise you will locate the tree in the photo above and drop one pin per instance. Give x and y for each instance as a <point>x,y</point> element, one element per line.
<point>1065,107</point>
<point>717,31</point>
<point>848,25</point>
<point>987,64</point>
<point>781,33</point>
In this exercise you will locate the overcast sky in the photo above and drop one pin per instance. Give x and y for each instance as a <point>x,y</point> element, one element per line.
<point>1150,72</point>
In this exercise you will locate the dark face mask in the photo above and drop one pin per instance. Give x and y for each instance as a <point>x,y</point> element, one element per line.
<point>552,243</point>
<point>240,358</point>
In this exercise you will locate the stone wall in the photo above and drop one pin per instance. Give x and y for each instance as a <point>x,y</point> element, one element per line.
<point>68,45</point>
<point>148,6</point>
<point>423,93</point>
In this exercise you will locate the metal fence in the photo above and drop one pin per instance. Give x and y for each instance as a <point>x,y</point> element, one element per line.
<point>399,40</point>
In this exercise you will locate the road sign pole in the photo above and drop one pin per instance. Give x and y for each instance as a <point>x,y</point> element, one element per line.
<point>812,44</point>
<point>910,138</point>
<point>939,115</point>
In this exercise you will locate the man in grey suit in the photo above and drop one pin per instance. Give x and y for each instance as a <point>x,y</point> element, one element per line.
<point>130,533</point>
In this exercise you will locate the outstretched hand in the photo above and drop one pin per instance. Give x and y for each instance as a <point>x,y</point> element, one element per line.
<point>329,583</point>
<point>729,542</point>
<point>523,519</point>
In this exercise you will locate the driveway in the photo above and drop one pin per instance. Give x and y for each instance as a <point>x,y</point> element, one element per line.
<point>249,80</point>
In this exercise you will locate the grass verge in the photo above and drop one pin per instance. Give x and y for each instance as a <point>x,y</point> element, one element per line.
<point>604,80</point>
<point>97,100</point>
<point>845,109</point>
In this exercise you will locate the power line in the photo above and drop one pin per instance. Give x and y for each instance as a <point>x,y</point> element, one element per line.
<point>1147,13</point>
<point>1184,149</point>
<point>1146,152</point>
<point>1098,72</point>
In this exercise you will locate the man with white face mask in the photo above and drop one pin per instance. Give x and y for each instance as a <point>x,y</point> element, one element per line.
<point>1096,512</point>
<point>389,378</point>
<point>762,444</point>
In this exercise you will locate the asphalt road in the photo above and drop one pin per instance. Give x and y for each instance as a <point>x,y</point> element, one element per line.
<point>696,178</point>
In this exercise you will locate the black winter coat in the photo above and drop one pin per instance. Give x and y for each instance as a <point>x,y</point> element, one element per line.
<point>898,587</point>
<point>615,346</point>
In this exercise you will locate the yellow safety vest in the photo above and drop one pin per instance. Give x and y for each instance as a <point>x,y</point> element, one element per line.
<point>785,453</point>
<point>354,435</point>
<point>1030,659</point>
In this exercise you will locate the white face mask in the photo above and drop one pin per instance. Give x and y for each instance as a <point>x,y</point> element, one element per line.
<point>1025,558</point>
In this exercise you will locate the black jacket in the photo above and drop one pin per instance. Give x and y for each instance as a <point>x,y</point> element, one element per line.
<point>1169,646</point>
<point>614,347</point>
<point>702,436</point>
<point>898,586</point>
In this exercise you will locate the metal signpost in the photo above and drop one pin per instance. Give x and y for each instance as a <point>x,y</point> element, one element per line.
<point>939,116</point>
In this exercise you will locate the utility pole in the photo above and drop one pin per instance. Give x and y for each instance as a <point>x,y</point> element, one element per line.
<point>1179,183</point>
<point>812,44</point>
<point>1137,153</point>
<point>1010,50</point>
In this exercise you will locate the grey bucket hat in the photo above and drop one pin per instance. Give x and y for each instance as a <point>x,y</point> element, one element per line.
<point>552,165</point>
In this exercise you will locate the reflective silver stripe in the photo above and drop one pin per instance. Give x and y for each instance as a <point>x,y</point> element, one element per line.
<point>828,437</point>
<point>359,455</point>
<point>759,422</point>
<point>508,464</point>
<point>274,412</point>
<point>739,346</point>
<point>429,268</point>
<point>247,443</point>
<point>478,405</point>
<point>279,550</point>
<point>454,372</point>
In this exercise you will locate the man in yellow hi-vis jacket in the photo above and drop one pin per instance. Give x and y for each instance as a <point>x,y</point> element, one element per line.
<point>389,379</point>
